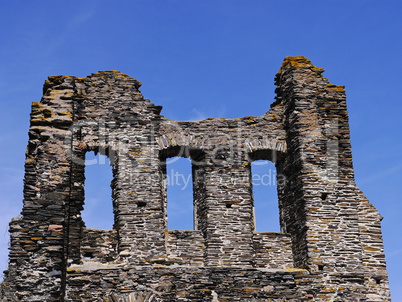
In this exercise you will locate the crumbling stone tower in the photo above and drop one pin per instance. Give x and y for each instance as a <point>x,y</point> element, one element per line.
<point>329,248</point>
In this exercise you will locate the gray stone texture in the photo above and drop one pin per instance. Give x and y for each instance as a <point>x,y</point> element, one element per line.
<point>330,245</point>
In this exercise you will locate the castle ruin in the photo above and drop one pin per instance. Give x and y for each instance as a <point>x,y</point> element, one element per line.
<point>330,244</point>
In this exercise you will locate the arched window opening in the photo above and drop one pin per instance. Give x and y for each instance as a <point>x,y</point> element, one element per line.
<point>265,195</point>
<point>98,206</point>
<point>180,211</point>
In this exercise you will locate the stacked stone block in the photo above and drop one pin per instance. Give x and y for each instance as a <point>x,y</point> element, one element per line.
<point>329,247</point>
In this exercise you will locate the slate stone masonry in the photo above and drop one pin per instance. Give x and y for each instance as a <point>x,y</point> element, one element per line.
<point>330,245</point>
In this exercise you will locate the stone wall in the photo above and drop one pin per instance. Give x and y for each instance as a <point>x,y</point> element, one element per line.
<point>329,248</point>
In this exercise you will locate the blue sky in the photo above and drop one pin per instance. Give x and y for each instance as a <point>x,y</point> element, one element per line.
<point>207,58</point>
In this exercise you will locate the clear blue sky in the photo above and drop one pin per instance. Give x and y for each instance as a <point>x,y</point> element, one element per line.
<point>207,58</point>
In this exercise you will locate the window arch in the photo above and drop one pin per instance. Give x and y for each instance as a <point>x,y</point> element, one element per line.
<point>264,183</point>
<point>181,168</point>
<point>179,193</point>
<point>98,205</point>
<point>265,196</point>
<point>90,227</point>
